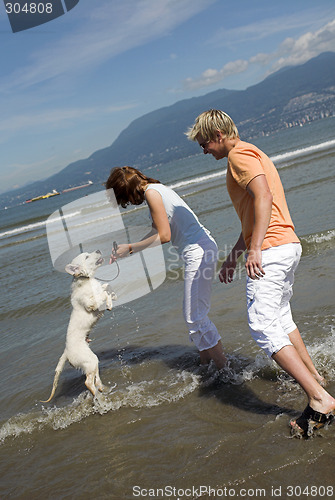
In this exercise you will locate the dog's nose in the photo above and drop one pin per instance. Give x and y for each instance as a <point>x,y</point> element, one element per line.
<point>98,251</point>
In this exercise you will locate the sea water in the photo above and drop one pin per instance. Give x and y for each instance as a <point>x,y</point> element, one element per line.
<point>166,427</point>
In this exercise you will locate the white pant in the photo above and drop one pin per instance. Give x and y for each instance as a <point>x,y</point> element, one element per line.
<point>200,265</point>
<point>268,299</point>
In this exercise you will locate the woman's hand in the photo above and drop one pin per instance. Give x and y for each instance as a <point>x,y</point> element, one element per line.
<point>122,251</point>
<point>227,271</point>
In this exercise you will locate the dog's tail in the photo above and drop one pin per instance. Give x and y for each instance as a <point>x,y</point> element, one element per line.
<point>59,369</point>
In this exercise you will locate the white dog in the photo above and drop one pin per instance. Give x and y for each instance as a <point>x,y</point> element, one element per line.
<point>89,299</point>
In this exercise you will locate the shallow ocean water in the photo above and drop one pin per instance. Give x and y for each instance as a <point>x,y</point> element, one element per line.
<point>168,428</point>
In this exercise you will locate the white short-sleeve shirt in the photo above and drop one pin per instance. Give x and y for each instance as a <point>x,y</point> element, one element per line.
<point>186,228</point>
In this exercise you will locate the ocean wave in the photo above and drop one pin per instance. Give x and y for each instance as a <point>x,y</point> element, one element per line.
<point>317,242</point>
<point>302,151</point>
<point>40,308</point>
<point>168,389</point>
<point>10,243</point>
<point>144,394</point>
<point>320,237</point>
<point>31,227</point>
<point>22,229</point>
<point>196,180</point>
<point>42,224</point>
<point>322,351</point>
<point>174,385</point>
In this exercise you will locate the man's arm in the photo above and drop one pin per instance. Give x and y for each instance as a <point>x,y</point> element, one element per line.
<point>259,189</point>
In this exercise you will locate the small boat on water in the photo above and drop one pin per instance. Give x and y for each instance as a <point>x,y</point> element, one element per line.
<point>44,196</point>
<point>89,183</point>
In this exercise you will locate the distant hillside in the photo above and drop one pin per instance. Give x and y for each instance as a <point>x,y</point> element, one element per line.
<point>292,95</point>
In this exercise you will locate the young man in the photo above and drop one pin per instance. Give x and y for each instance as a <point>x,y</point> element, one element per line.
<point>273,253</point>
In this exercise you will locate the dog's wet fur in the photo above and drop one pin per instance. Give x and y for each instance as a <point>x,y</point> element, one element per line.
<point>89,299</point>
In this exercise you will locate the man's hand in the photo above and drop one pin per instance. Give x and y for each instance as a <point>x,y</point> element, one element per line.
<point>253,265</point>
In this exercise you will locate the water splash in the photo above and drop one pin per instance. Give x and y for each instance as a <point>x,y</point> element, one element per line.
<point>146,394</point>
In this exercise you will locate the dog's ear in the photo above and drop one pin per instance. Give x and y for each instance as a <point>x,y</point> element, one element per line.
<point>74,269</point>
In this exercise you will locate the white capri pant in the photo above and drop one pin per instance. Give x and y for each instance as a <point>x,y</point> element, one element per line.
<point>200,266</point>
<point>268,299</point>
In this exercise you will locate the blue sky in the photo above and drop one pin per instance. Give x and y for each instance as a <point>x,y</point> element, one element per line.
<point>70,86</point>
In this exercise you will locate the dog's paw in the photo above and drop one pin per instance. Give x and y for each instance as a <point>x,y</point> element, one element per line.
<point>109,290</point>
<point>109,300</point>
<point>109,304</point>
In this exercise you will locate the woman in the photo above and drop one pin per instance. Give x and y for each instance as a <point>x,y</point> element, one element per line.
<point>174,221</point>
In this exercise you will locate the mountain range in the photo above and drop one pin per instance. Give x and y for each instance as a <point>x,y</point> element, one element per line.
<point>294,95</point>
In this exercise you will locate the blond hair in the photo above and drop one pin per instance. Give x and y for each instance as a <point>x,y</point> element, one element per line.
<point>208,123</point>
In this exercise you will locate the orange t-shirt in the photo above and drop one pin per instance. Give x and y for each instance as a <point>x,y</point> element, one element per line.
<point>245,162</point>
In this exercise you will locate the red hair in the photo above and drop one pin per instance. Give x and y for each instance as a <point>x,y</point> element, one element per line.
<point>128,185</point>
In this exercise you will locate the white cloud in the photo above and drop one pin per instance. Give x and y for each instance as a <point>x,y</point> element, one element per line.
<point>290,52</point>
<point>261,59</point>
<point>267,27</point>
<point>111,29</point>
<point>212,76</point>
